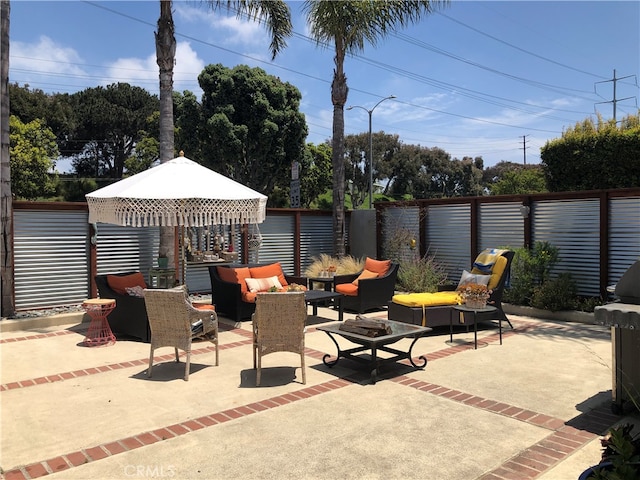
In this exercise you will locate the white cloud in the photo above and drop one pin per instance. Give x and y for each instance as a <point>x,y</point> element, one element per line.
<point>144,71</point>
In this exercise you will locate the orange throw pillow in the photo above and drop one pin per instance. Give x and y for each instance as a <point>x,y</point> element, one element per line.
<point>235,275</point>
<point>364,275</point>
<point>266,271</point>
<point>379,266</point>
<point>120,283</point>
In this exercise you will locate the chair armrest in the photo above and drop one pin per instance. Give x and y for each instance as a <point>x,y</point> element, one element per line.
<point>347,278</point>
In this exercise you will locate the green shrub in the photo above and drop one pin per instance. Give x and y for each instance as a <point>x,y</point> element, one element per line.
<point>555,294</point>
<point>530,269</point>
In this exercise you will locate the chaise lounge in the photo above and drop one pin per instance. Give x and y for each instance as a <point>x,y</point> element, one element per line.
<point>435,309</point>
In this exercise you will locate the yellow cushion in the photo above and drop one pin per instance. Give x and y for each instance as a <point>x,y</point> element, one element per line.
<point>496,272</point>
<point>364,275</point>
<point>427,299</point>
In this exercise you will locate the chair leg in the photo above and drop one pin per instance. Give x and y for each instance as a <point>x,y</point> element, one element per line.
<point>150,363</point>
<point>177,356</point>
<point>187,365</point>
<point>259,371</point>
<point>304,371</point>
<point>217,352</point>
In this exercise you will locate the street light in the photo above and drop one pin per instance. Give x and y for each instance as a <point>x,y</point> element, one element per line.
<point>370,112</point>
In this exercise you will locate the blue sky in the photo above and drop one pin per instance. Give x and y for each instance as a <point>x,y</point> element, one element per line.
<point>475,79</point>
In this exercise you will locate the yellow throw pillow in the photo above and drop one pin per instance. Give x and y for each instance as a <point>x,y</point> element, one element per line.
<point>496,272</point>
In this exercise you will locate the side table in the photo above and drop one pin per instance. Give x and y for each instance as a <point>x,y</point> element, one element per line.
<point>328,282</point>
<point>464,308</point>
<point>162,277</point>
<point>99,332</point>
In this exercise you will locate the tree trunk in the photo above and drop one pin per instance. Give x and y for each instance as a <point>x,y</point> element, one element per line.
<point>165,57</point>
<point>339,92</point>
<point>6,205</point>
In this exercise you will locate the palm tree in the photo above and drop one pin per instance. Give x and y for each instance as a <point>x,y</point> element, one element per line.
<point>5,168</point>
<point>278,22</point>
<point>348,25</point>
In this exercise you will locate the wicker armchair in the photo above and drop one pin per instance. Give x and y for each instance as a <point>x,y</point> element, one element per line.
<point>172,319</point>
<point>278,326</point>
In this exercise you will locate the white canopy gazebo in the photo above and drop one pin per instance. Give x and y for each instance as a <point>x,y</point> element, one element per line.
<point>179,192</point>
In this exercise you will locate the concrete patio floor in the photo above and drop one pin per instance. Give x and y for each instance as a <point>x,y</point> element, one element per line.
<point>533,407</point>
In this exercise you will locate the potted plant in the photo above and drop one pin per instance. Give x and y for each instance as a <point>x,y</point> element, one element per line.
<point>620,456</point>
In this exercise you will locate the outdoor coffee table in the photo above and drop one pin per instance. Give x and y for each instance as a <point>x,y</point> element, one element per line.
<point>316,297</point>
<point>399,331</point>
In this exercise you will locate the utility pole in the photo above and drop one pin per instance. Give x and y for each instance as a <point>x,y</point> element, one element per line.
<point>615,99</point>
<point>524,147</point>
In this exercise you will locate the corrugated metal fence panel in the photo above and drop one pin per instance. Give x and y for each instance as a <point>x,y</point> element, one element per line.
<point>573,226</point>
<point>624,235</point>
<point>500,225</point>
<point>400,225</point>
<point>448,237</point>
<point>316,237</point>
<point>121,249</point>
<point>51,252</point>
<point>277,242</point>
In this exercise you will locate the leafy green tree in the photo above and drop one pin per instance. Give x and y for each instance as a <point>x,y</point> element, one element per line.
<point>522,181</point>
<point>276,17</point>
<point>357,165</point>
<point>315,173</point>
<point>594,155</point>
<point>348,26</point>
<point>32,153</point>
<point>111,121</point>
<point>253,129</point>
<point>55,110</point>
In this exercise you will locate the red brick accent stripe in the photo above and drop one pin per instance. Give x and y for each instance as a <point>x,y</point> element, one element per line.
<point>74,459</point>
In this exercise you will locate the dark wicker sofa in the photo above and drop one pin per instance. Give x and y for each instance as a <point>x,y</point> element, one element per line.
<point>227,296</point>
<point>129,318</point>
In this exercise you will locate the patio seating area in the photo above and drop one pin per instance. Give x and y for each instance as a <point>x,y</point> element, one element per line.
<point>532,408</point>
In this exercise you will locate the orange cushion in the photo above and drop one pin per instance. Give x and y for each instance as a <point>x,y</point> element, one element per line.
<point>347,289</point>
<point>235,275</point>
<point>266,271</point>
<point>204,307</point>
<point>120,283</point>
<point>379,266</point>
<point>249,297</point>
<point>364,275</point>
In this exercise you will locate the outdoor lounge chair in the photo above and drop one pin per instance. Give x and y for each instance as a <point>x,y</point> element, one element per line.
<point>435,309</point>
<point>370,289</point>
<point>175,323</point>
<point>278,326</point>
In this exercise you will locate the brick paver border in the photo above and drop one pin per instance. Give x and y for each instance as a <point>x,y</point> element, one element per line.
<point>564,439</point>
